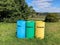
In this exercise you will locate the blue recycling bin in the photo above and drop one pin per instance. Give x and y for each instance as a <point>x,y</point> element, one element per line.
<point>21,28</point>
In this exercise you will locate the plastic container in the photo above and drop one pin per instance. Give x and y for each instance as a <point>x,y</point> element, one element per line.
<point>40,26</point>
<point>21,26</point>
<point>30,29</point>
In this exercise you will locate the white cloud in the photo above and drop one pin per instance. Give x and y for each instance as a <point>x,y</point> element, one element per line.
<point>41,0</point>
<point>44,6</point>
<point>53,9</point>
<point>41,3</point>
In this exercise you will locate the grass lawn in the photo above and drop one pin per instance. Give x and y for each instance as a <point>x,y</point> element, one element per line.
<point>8,35</point>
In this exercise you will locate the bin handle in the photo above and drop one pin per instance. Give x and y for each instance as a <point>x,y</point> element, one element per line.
<point>19,26</point>
<point>39,27</point>
<point>29,27</point>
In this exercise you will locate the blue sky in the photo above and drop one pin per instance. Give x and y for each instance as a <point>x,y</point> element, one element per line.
<point>44,5</point>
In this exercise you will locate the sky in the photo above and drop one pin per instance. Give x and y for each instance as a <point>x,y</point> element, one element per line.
<point>44,5</point>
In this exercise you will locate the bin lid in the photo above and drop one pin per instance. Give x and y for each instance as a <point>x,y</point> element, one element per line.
<point>30,23</point>
<point>20,22</point>
<point>40,24</point>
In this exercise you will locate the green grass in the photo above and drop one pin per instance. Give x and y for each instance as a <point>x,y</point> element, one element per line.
<point>8,35</point>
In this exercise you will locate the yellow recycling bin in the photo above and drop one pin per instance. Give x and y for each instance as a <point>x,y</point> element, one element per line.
<point>40,26</point>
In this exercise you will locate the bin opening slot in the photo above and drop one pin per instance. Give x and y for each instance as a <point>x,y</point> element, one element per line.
<point>39,27</point>
<point>29,27</point>
<point>18,25</point>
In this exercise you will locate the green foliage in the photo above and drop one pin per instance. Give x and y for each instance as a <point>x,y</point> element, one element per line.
<point>51,17</point>
<point>14,9</point>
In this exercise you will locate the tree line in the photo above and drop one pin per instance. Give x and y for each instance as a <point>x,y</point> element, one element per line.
<point>13,10</point>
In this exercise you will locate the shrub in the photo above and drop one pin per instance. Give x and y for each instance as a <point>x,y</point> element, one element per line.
<point>51,18</point>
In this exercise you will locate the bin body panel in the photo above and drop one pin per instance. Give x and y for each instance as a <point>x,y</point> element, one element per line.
<point>21,29</point>
<point>30,33</point>
<point>30,29</point>
<point>40,26</point>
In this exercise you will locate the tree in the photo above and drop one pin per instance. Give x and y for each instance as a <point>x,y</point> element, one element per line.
<point>51,17</point>
<point>12,10</point>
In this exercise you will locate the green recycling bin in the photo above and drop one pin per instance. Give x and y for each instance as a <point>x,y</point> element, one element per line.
<point>30,29</point>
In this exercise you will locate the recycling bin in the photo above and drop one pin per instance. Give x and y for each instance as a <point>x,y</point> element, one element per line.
<point>30,29</point>
<point>21,28</point>
<point>40,26</point>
